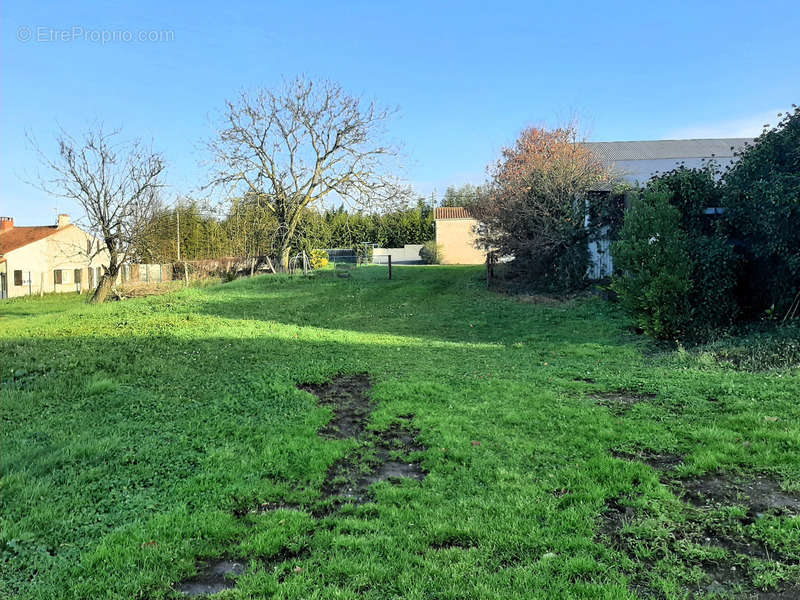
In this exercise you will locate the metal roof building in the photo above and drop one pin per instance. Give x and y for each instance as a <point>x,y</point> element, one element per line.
<point>636,162</point>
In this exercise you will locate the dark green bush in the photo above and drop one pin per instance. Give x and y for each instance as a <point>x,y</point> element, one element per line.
<point>714,272</point>
<point>744,260</point>
<point>431,253</point>
<point>692,191</point>
<point>762,200</point>
<point>763,347</point>
<point>652,267</point>
<point>714,263</point>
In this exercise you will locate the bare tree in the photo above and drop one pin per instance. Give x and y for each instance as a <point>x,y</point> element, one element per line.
<point>296,145</point>
<point>116,183</point>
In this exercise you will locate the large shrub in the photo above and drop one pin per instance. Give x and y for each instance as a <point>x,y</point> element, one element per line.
<point>714,263</point>
<point>319,259</point>
<point>534,208</point>
<point>653,268</point>
<point>431,253</point>
<point>762,200</point>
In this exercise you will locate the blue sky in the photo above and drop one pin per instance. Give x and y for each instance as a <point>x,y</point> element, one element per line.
<point>466,76</point>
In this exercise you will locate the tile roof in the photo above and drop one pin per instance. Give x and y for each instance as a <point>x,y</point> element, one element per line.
<point>17,237</point>
<point>665,149</point>
<point>451,212</point>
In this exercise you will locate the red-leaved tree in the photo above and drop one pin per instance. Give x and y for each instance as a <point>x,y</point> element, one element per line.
<point>534,207</point>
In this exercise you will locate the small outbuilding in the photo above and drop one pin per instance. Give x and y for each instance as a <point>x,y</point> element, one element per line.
<point>456,233</point>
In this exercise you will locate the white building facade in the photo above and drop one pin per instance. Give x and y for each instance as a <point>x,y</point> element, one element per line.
<point>48,258</point>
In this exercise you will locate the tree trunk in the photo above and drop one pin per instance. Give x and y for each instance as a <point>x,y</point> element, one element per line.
<point>283,254</point>
<point>103,289</point>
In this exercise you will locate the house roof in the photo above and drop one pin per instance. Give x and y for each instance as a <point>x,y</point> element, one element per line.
<point>668,149</point>
<point>451,212</point>
<point>17,237</point>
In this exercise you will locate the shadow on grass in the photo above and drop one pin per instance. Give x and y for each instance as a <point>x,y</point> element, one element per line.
<point>442,303</point>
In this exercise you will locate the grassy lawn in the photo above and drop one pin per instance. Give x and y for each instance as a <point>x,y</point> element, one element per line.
<point>564,457</point>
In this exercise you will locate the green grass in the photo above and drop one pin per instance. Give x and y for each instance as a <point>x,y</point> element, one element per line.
<point>133,431</point>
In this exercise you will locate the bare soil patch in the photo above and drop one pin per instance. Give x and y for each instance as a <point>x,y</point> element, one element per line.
<point>347,395</point>
<point>729,577</point>
<point>384,455</point>
<point>387,459</point>
<point>656,460</point>
<point>614,519</point>
<point>213,577</point>
<point>621,401</point>
<point>266,507</point>
<point>453,541</point>
<point>760,494</point>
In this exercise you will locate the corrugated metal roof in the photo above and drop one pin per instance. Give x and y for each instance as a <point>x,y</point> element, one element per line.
<point>667,149</point>
<point>451,212</point>
<point>17,237</point>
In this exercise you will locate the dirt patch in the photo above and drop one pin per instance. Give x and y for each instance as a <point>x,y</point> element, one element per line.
<point>735,544</point>
<point>621,401</point>
<point>761,494</point>
<point>212,577</point>
<point>266,507</point>
<point>614,519</point>
<point>584,380</point>
<point>731,581</point>
<point>656,460</point>
<point>347,395</point>
<point>384,458</point>
<point>143,289</point>
<point>399,436</point>
<point>728,577</point>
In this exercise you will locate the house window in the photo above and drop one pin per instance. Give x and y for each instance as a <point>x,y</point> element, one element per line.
<point>18,277</point>
<point>57,276</point>
<point>77,275</point>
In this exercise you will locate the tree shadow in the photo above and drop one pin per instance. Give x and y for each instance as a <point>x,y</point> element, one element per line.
<point>449,304</point>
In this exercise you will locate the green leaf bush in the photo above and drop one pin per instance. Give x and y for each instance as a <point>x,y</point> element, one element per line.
<point>653,267</point>
<point>762,200</point>
<point>738,264</point>
<point>431,253</point>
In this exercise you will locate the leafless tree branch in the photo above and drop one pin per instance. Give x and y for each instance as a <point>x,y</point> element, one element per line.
<point>117,185</point>
<point>301,143</point>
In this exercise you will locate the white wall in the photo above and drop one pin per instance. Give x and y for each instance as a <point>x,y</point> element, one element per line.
<point>65,249</point>
<point>407,254</point>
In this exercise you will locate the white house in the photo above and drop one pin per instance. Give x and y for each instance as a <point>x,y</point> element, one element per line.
<point>637,162</point>
<point>48,258</point>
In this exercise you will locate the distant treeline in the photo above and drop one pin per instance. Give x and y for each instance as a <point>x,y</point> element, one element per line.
<point>248,230</point>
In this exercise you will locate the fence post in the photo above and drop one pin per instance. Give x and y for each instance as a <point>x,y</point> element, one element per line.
<point>390,266</point>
